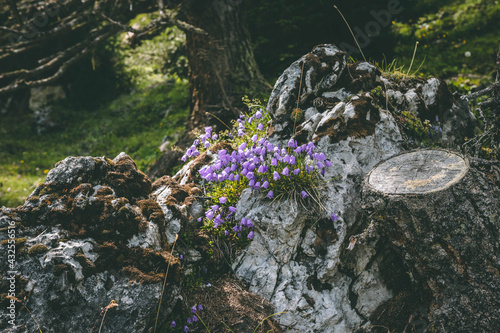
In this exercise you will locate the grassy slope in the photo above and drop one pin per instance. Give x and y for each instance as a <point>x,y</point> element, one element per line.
<point>460,39</point>
<point>135,123</point>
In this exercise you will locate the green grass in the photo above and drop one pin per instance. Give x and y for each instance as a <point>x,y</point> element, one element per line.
<point>135,124</point>
<point>459,38</point>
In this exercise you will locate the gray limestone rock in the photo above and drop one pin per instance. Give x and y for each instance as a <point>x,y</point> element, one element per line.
<point>306,264</point>
<point>86,237</point>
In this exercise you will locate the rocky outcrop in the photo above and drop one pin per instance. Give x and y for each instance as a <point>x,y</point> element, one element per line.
<point>342,100</point>
<point>300,262</point>
<point>97,230</point>
<point>87,236</point>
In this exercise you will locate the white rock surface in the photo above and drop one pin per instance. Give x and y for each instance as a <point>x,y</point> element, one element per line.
<point>288,262</point>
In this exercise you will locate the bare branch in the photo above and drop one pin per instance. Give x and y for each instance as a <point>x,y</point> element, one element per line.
<point>183,25</point>
<point>122,26</point>
<point>483,92</point>
<point>49,62</point>
<point>66,25</point>
<point>22,84</point>
<point>10,30</point>
<point>161,21</point>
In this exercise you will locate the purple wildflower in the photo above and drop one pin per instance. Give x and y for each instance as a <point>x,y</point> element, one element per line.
<point>265,185</point>
<point>250,235</point>
<point>276,175</point>
<point>222,200</point>
<point>260,127</point>
<point>193,309</point>
<point>285,171</point>
<point>226,233</point>
<point>270,194</point>
<point>194,319</point>
<point>186,329</point>
<point>189,320</point>
<point>304,194</point>
<point>232,209</point>
<point>181,257</point>
<point>334,217</point>
<point>172,324</point>
<point>200,307</point>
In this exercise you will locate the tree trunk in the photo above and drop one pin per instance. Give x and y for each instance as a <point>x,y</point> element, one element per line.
<point>222,65</point>
<point>442,217</point>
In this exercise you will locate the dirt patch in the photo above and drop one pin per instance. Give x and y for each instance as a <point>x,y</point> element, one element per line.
<point>227,301</point>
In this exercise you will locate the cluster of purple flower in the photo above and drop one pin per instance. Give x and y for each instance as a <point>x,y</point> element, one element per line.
<point>203,140</point>
<point>221,213</point>
<point>191,319</point>
<point>257,164</point>
<point>437,128</point>
<point>262,162</point>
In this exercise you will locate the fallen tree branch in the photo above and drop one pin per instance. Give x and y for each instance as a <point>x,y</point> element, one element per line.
<point>482,92</point>
<point>22,84</point>
<point>51,62</point>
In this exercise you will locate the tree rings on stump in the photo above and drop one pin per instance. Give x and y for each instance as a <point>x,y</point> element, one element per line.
<point>418,172</point>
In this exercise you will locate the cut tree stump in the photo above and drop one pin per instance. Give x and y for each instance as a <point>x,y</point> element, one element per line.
<point>442,216</point>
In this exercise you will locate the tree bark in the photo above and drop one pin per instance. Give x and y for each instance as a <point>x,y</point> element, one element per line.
<point>222,65</point>
<point>442,217</point>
